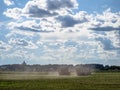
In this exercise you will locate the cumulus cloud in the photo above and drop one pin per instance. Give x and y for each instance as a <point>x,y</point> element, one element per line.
<point>114,36</point>
<point>107,21</point>
<point>71,43</point>
<point>9,2</point>
<point>18,55</point>
<point>30,25</point>
<point>34,26</point>
<point>52,11</point>
<point>66,51</point>
<point>4,46</point>
<point>39,9</point>
<point>35,11</point>
<point>14,13</point>
<point>69,21</point>
<point>32,30</point>
<point>47,8</point>
<point>107,28</point>
<point>22,43</point>
<point>108,40</point>
<point>67,34</point>
<point>58,4</point>
<point>106,43</point>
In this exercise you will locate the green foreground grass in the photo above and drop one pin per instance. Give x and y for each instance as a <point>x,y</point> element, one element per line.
<point>97,81</point>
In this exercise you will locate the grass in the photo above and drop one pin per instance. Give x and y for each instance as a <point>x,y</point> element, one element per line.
<point>97,81</point>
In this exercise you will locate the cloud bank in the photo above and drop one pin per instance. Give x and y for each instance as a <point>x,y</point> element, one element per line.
<point>53,30</point>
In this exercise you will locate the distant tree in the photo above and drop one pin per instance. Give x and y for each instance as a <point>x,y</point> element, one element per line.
<point>82,70</point>
<point>106,67</point>
<point>64,71</point>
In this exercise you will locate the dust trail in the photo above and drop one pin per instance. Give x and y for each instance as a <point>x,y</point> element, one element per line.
<point>25,71</point>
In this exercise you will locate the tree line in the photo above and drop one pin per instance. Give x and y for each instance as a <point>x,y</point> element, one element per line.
<point>63,69</point>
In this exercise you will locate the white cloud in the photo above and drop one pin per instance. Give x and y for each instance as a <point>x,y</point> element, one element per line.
<point>22,43</point>
<point>64,34</point>
<point>14,13</point>
<point>4,46</point>
<point>107,21</point>
<point>46,8</point>
<point>9,2</point>
<point>18,55</point>
<point>114,36</point>
<point>107,55</point>
<point>81,22</point>
<point>40,9</point>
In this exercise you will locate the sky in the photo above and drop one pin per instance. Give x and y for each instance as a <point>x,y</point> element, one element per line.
<point>60,32</point>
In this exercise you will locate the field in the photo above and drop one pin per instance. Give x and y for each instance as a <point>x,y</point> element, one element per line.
<point>39,81</point>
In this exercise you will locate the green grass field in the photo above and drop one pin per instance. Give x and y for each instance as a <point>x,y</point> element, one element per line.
<point>38,81</point>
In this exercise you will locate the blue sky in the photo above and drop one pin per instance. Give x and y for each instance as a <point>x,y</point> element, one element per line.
<point>60,31</point>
